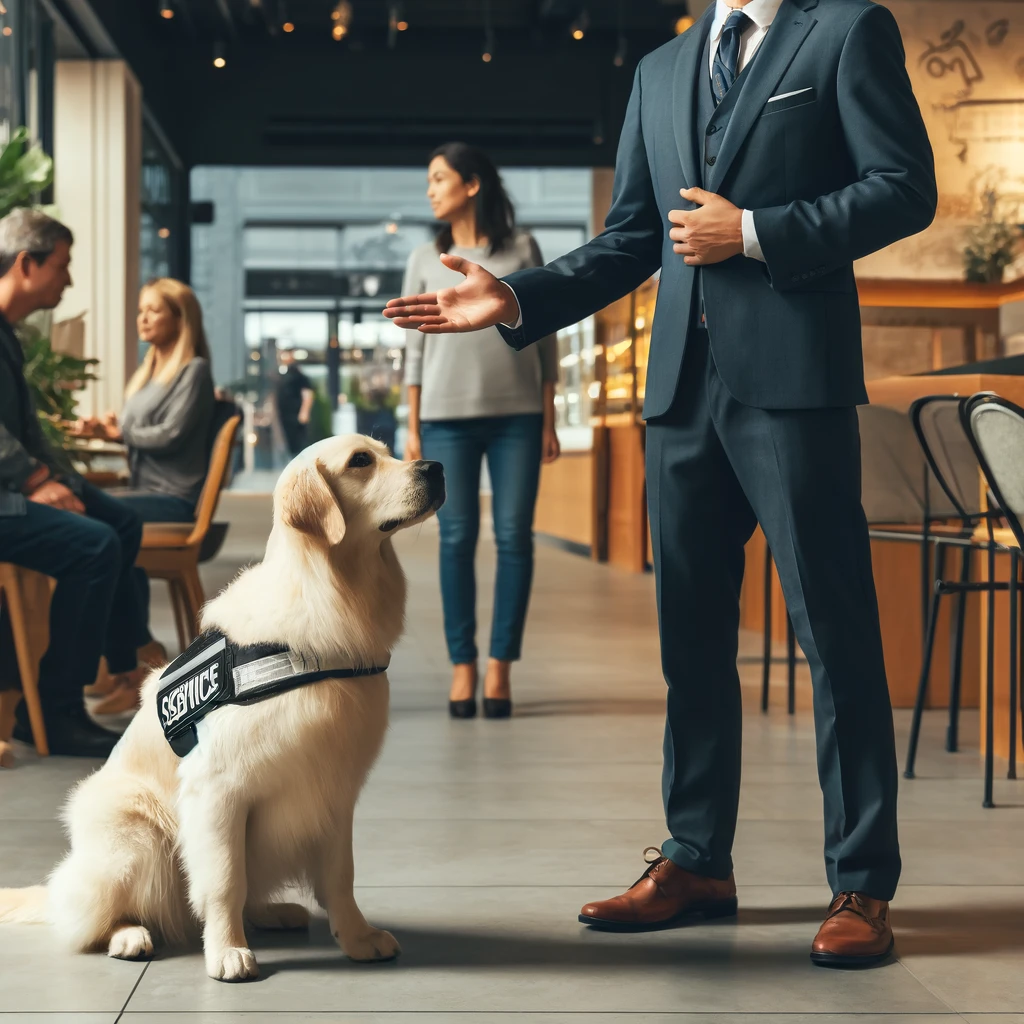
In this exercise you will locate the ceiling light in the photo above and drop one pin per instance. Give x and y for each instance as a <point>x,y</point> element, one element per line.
<point>683,24</point>
<point>219,60</point>
<point>166,10</point>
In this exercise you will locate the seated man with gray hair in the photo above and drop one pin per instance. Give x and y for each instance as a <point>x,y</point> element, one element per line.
<point>51,520</point>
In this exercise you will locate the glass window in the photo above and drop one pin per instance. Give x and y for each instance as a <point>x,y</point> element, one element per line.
<point>162,219</point>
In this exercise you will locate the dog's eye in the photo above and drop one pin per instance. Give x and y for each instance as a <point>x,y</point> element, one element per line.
<point>360,460</point>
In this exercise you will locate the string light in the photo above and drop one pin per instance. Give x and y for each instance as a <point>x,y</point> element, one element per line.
<point>488,55</point>
<point>684,23</point>
<point>579,27</point>
<point>620,53</point>
<point>342,18</point>
<point>164,232</point>
<point>288,26</point>
<point>166,10</point>
<point>219,60</point>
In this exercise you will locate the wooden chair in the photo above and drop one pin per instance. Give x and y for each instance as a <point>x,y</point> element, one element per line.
<point>26,597</point>
<point>171,551</point>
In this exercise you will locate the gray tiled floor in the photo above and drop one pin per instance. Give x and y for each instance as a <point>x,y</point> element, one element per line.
<point>477,842</point>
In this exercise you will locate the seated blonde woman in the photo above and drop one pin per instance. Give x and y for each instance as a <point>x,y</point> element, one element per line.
<point>165,424</point>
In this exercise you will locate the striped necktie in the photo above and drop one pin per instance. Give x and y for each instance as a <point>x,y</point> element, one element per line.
<point>727,57</point>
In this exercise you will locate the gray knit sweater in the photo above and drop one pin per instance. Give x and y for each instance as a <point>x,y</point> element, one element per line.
<point>167,430</point>
<point>475,374</point>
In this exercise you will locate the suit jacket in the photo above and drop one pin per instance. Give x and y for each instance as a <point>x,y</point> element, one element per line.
<point>23,447</point>
<point>834,172</point>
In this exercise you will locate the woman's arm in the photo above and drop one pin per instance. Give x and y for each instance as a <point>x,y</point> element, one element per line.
<point>551,447</point>
<point>413,445</point>
<point>190,406</point>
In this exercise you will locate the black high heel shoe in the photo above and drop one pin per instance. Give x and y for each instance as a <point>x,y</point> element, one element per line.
<point>462,708</point>
<point>495,707</point>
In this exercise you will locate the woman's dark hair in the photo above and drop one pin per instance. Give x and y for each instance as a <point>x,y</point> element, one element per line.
<point>495,214</point>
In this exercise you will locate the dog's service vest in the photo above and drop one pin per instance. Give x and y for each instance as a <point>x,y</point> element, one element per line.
<point>214,671</point>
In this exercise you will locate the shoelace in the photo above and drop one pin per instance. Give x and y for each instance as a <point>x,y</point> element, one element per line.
<point>654,857</point>
<point>852,902</point>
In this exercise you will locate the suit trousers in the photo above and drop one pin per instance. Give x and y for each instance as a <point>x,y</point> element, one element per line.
<point>716,468</point>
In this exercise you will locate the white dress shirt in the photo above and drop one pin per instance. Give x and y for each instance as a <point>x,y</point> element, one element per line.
<point>762,14</point>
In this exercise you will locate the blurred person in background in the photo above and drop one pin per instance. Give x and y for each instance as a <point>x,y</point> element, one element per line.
<point>471,397</point>
<point>166,426</point>
<point>295,399</point>
<point>51,520</point>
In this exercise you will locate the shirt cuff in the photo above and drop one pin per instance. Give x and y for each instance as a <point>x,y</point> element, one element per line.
<point>519,319</point>
<point>751,246</point>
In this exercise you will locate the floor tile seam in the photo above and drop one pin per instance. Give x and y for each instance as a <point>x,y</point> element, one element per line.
<point>135,987</point>
<point>926,987</point>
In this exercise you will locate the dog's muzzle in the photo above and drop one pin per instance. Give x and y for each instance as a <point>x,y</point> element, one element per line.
<point>431,493</point>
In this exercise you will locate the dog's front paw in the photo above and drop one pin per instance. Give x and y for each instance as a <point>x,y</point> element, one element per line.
<point>283,916</point>
<point>131,942</point>
<point>372,947</point>
<point>236,963</point>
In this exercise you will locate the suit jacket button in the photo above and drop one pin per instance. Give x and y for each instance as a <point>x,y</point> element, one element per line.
<point>711,160</point>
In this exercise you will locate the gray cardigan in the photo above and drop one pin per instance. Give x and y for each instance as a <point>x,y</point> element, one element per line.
<point>476,374</point>
<point>167,430</point>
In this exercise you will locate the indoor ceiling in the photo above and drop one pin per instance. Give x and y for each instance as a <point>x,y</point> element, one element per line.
<point>370,19</point>
<point>258,82</point>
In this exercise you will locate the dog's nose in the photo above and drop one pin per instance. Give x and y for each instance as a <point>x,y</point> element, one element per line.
<point>431,470</point>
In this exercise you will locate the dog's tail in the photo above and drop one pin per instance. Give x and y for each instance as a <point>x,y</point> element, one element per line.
<point>23,906</point>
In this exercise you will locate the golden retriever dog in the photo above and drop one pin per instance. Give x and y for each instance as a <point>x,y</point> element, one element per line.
<point>161,845</point>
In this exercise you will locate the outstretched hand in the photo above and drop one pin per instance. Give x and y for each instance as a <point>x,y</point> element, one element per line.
<point>478,302</point>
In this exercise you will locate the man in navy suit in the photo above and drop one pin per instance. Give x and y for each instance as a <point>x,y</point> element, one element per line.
<point>790,130</point>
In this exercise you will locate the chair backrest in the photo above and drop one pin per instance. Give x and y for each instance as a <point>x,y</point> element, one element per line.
<point>940,431</point>
<point>894,473</point>
<point>216,475</point>
<point>223,410</point>
<point>995,428</point>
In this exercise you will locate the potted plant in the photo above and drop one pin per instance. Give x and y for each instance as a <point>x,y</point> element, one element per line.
<point>991,244</point>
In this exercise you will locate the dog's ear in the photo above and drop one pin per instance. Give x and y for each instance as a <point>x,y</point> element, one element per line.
<point>311,505</point>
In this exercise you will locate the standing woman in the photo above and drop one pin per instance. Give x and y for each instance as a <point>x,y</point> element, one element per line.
<point>165,424</point>
<point>471,396</point>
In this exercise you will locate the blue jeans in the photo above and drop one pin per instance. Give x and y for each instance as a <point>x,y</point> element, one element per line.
<point>512,445</point>
<point>94,610</point>
<point>152,508</point>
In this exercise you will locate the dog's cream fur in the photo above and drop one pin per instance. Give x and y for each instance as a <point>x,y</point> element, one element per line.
<point>160,845</point>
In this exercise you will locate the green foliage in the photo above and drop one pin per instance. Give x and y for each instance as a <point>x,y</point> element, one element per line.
<point>25,172</point>
<point>991,244</point>
<point>320,425</point>
<point>53,380</point>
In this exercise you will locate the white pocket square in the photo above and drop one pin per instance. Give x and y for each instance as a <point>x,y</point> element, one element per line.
<point>786,95</point>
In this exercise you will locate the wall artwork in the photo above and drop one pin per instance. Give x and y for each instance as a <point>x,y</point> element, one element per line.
<point>966,63</point>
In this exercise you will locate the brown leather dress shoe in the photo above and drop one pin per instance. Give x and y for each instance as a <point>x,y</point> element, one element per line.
<point>856,933</point>
<point>663,896</point>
